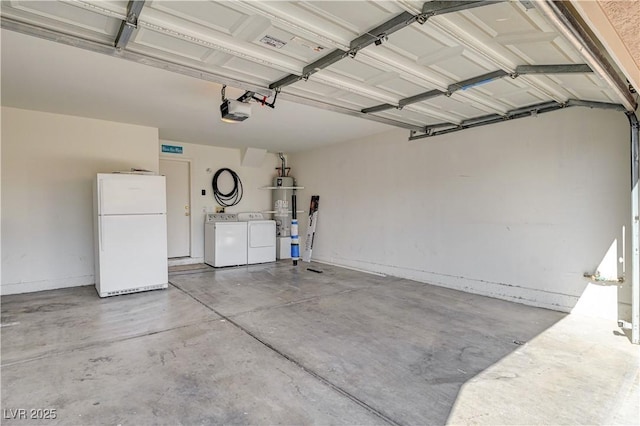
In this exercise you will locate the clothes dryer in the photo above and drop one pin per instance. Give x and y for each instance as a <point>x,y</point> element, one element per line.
<point>261,238</point>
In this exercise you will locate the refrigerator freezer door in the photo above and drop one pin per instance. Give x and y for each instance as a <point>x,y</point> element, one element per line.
<point>122,194</point>
<point>133,253</point>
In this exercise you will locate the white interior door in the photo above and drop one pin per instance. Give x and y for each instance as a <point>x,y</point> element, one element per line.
<point>178,207</point>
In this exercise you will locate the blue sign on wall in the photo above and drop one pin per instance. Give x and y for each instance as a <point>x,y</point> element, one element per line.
<point>172,149</point>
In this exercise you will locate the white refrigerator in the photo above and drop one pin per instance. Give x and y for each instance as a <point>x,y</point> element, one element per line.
<point>130,233</point>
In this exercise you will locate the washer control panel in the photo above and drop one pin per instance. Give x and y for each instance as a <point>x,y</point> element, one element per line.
<point>245,217</point>
<point>221,217</point>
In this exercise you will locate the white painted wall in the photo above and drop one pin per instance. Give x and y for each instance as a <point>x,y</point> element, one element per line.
<point>49,162</point>
<point>204,157</point>
<point>0,202</point>
<point>518,210</point>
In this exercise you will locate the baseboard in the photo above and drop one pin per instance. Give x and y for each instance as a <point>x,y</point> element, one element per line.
<point>513,293</point>
<point>324,262</point>
<point>30,287</point>
<point>185,261</point>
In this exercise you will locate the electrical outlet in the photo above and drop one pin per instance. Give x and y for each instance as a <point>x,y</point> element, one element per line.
<point>219,209</point>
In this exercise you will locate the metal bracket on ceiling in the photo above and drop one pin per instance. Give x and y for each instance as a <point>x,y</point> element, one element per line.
<point>528,4</point>
<point>419,133</point>
<point>476,81</point>
<point>382,107</point>
<point>129,24</point>
<point>249,96</point>
<point>553,69</point>
<point>315,66</point>
<point>246,96</point>
<point>132,20</point>
<point>594,104</point>
<point>382,37</point>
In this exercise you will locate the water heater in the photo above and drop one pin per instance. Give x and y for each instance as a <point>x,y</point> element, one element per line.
<point>282,204</point>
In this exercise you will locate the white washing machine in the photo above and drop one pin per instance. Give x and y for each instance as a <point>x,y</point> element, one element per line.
<point>225,240</point>
<point>261,238</point>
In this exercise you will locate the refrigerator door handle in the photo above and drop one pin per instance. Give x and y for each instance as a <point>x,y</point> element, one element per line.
<point>100,234</point>
<point>101,199</point>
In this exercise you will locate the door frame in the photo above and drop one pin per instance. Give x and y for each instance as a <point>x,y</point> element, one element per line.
<point>189,193</point>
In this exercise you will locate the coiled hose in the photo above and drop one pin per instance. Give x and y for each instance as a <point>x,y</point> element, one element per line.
<point>231,198</point>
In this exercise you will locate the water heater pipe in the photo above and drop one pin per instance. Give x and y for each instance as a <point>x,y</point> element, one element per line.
<point>284,164</point>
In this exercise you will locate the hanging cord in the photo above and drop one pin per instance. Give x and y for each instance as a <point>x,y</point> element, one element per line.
<point>231,198</point>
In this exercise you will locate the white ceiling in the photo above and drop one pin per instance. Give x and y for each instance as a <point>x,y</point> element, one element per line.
<point>227,39</point>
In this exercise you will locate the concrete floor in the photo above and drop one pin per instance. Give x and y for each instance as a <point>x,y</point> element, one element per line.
<point>273,344</point>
